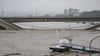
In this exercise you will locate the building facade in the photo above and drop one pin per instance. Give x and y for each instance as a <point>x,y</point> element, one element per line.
<point>71,12</point>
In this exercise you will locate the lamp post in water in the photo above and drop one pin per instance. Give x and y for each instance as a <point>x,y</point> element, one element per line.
<point>91,43</point>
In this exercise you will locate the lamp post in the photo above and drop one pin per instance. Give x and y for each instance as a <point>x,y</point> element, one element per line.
<point>36,12</point>
<point>91,44</point>
<point>2,11</point>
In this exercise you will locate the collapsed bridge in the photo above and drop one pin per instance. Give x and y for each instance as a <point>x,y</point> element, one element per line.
<point>11,20</point>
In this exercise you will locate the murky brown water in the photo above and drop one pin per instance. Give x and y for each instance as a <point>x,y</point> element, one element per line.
<point>37,42</point>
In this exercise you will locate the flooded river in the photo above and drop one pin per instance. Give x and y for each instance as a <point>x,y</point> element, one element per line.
<point>37,42</point>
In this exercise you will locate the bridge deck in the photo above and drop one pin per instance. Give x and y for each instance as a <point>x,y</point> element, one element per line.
<point>8,25</point>
<point>45,19</point>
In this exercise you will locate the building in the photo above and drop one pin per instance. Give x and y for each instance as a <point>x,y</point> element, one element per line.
<point>76,12</point>
<point>65,12</point>
<point>71,12</point>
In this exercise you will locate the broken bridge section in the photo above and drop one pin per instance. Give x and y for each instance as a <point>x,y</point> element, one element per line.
<point>94,27</point>
<point>9,26</point>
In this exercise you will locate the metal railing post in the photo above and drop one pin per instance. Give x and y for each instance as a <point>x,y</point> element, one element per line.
<point>91,43</point>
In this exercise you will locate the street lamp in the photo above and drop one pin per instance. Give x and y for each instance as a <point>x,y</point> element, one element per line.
<point>36,12</point>
<point>2,11</point>
<point>91,43</point>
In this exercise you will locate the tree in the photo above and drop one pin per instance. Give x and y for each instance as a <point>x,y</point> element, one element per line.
<point>91,14</point>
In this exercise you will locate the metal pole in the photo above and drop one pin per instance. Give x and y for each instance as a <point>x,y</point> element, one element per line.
<point>2,11</point>
<point>91,43</point>
<point>36,12</point>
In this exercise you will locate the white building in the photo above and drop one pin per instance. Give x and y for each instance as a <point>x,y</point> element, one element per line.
<point>71,12</point>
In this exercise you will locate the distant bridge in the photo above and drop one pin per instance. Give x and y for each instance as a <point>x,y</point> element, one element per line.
<point>10,20</point>
<point>46,19</point>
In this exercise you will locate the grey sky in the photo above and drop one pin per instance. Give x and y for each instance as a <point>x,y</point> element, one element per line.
<point>47,6</point>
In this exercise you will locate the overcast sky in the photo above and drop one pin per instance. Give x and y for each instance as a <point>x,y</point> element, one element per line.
<point>47,6</point>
